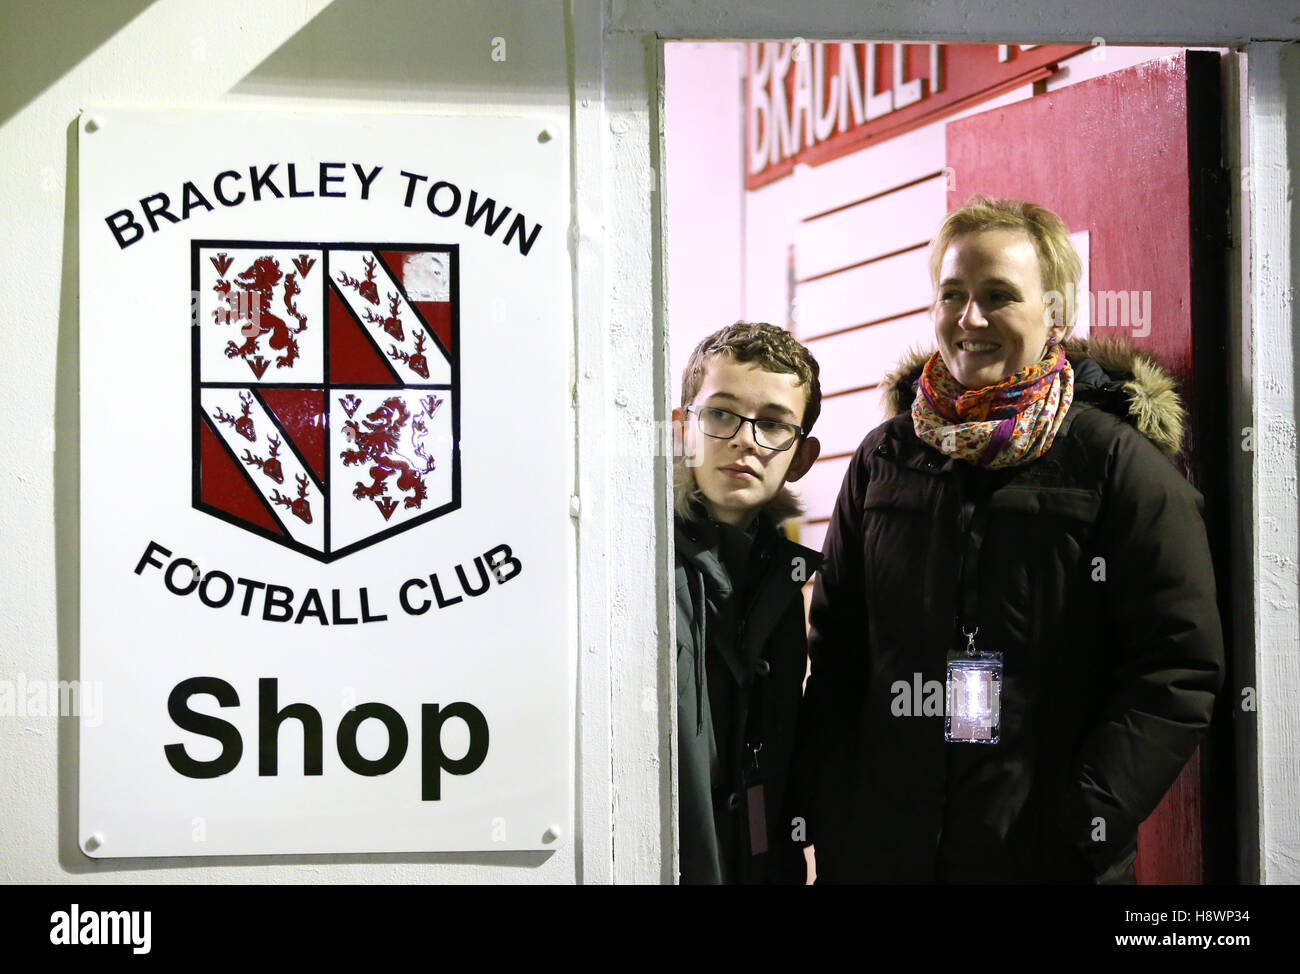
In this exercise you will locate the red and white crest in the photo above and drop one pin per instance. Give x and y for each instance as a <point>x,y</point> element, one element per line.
<point>325,376</point>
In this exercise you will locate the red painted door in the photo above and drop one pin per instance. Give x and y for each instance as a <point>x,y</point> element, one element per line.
<point>1133,157</point>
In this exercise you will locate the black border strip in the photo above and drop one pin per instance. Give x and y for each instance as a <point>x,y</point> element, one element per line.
<point>270,508</point>
<point>328,390</point>
<point>454,292</point>
<point>383,356</point>
<point>396,529</point>
<point>446,354</point>
<point>275,421</point>
<point>196,377</point>
<point>287,540</point>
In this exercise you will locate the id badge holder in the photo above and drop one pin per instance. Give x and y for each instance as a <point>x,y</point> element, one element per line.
<point>755,803</point>
<point>973,697</point>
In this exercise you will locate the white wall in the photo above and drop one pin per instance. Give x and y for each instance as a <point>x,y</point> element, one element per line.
<point>598,58</point>
<point>387,56</point>
<point>1269,404</point>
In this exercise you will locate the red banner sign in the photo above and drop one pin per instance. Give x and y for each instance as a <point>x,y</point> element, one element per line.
<point>811,103</point>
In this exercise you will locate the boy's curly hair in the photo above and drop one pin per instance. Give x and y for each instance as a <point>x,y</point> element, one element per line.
<point>772,348</point>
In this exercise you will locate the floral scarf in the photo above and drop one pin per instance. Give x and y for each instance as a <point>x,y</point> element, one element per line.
<point>1013,421</point>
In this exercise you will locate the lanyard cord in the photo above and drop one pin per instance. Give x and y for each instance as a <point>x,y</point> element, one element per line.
<point>975,519</point>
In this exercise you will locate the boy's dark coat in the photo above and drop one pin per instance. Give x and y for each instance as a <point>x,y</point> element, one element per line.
<point>747,651</point>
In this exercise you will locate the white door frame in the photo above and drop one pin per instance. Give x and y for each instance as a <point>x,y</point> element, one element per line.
<point>627,678</point>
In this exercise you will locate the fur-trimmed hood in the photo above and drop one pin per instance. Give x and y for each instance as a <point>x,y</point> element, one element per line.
<point>1110,372</point>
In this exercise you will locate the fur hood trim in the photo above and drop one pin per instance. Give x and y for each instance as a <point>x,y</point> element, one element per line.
<point>1124,380</point>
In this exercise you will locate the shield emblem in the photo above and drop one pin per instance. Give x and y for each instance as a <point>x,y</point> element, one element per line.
<point>325,389</point>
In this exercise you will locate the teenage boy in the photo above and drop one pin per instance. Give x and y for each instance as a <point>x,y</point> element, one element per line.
<point>750,396</point>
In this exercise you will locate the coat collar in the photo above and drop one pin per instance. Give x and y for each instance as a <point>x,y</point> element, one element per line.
<point>697,540</point>
<point>786,565</point>
<point>1109,372</point>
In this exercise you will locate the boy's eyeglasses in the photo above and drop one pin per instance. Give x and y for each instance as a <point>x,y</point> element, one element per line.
<point>723,424</point>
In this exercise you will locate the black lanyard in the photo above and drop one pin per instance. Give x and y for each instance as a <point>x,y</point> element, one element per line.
<point>976,489</point>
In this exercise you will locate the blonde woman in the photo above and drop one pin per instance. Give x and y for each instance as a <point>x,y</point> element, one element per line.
<point>1014,635</point>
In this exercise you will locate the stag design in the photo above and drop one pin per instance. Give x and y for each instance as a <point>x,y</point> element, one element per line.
<point>393,323</point>
<point>271,465</point>
<point>416,360</point>
<point>298,506</point>
<point>243,423</point>
<point>368,289</point>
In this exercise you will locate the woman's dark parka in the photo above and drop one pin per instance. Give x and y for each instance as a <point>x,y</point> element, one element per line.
<point>1088,569</point>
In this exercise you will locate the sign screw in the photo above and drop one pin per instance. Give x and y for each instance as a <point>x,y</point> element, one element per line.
<point>552,834</point>
<point>94,842</point>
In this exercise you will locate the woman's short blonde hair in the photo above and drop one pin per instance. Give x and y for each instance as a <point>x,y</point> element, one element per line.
<point>1058,261</point>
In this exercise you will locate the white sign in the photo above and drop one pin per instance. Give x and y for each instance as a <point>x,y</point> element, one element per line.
<point>326,443</point>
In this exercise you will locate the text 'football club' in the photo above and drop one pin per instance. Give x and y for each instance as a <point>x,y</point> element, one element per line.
<point>279,603</point>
